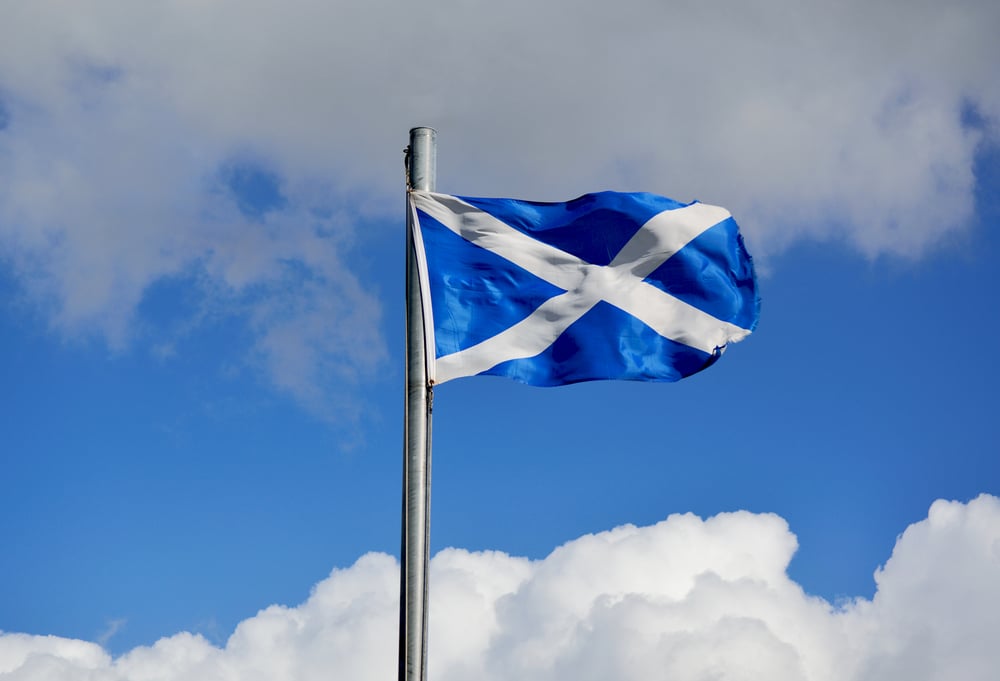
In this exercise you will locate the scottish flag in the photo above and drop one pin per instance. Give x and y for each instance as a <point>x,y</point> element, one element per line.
<point>606,286</point>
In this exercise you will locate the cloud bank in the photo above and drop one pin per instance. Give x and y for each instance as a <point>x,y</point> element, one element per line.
<point>126,130</point>
<point>685,599</point>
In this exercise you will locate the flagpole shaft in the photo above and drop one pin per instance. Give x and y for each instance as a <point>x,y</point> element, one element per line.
<point>415,551</point>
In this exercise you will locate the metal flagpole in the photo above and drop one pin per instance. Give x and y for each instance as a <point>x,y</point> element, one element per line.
<point>421,168</point>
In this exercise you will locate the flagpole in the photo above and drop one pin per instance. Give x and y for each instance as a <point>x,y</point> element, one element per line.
<point>421,171</point>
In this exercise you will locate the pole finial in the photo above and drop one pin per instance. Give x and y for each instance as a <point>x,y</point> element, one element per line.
<point>422,159</point>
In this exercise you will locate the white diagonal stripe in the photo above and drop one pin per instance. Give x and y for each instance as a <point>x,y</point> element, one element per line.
<point>664,234</point>
<point>555,266</point>
<point>675,320</point>
<point>527,338</point>
<point>619,283</point>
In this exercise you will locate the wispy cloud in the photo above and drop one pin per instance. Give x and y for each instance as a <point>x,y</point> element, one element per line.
<point>237,143</point>
<point>113,627</point>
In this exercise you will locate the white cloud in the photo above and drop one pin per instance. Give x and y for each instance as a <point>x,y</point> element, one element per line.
<point>841,121</point>
<point>685,599</point>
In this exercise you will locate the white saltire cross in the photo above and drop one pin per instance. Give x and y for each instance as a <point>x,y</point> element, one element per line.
<point>620,283</point>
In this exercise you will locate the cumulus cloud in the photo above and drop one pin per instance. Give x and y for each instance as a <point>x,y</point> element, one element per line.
<point>685,599</point>
<point>117,121</point>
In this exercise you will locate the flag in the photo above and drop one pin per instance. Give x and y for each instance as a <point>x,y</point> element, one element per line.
<point>611,285</point>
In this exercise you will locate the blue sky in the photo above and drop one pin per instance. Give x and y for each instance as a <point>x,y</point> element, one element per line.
<point>201,307</point>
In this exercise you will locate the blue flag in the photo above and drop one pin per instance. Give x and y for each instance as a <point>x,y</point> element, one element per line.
<point>606,286</point>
